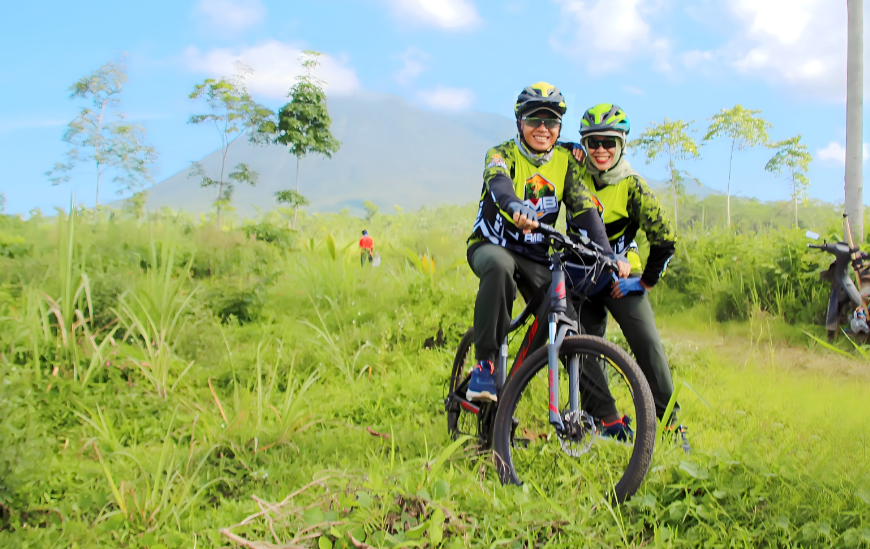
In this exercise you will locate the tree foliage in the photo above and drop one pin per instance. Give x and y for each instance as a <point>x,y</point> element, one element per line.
<point>303,124</point>
<point>371,210</point>
<point>792,158</point>
<point>670,140</point>
<point>233,113</point>
<point>744,128</point>
<point>291,198</point>
<point>101,135</point>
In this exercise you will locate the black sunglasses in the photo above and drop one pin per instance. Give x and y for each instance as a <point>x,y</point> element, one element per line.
<point>593,143</point>
<point>534,122</point>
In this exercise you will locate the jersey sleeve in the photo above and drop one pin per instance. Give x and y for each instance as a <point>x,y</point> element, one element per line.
<point>645,210</point>
<point>497,179</point>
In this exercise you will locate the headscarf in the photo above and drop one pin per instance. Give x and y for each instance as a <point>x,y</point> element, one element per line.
<point>619,170</point>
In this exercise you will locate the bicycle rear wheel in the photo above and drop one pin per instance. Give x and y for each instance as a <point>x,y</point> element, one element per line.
<point>527,447</point>
<point>464,417</point>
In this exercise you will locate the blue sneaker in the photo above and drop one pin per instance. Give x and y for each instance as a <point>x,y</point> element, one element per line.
<point>482,385</point>
<point>618,430</point>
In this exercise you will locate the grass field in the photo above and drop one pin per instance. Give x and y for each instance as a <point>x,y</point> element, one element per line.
<point>166,384</point>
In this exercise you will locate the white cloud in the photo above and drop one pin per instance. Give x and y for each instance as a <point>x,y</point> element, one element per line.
<point>443,98</point>
<point>412,65</point>
<point>446,14</point>
<point>634,90</point>
<point>836,152</point>
<point>799,42</point>
<point>231,15</point>
<point>276,66</point>
<point>608,32</point>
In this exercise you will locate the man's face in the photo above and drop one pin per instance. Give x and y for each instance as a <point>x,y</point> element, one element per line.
<point>536,133</point>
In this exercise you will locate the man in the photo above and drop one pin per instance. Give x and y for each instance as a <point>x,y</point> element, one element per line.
<point>366,248</point>
<point>525,180</point>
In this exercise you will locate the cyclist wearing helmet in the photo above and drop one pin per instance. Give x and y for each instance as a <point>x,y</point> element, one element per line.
<point>629,205</point>
<point>525,180</point>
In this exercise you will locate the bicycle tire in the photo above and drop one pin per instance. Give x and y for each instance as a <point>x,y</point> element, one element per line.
<point>636,459</point>
<point>458,419</point>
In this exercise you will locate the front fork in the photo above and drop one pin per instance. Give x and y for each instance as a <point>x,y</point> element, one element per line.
<point>557,332</point>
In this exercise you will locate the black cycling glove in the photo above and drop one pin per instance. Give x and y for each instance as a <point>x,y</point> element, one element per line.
<point>522,209</point>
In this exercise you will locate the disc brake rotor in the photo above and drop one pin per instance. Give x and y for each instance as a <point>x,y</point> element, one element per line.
<point>579,433</point>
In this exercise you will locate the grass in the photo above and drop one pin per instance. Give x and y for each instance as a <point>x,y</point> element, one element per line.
<point>289,401</point>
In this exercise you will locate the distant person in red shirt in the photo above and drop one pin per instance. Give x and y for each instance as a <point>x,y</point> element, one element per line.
<point>366,248</point>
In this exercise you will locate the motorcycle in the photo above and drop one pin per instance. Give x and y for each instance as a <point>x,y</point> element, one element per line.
<point>847,304</point>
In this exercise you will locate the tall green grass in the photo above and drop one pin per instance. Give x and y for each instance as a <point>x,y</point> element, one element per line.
<point>256,387</point>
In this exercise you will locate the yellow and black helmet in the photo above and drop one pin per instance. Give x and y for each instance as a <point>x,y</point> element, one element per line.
<point>540,95</point>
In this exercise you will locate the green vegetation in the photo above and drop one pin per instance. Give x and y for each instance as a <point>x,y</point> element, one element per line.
<point>302,125</point>
<point>165,383</point>
<point>102,138</point>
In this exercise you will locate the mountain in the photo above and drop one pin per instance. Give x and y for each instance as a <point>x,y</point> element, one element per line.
<point>392,153</point>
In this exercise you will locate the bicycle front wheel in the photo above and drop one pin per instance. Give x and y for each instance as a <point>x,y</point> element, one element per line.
<point>527,447</point>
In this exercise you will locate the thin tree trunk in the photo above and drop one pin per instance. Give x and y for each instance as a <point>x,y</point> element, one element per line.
<point>296,209</point>
<point>728,192</point>
<point>854,117</point>
<point>97,159</point>
<point>674,189</point>
<point>794,191</point>
<point>225,148</point>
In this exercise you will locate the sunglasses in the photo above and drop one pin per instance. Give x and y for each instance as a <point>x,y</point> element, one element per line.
<point>593,143</point>
<point>535,122</point>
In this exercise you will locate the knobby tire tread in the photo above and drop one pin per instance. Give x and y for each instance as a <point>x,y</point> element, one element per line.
<point>645,421</point>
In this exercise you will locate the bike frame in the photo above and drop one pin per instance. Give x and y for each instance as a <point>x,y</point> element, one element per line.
<point>551,304</point>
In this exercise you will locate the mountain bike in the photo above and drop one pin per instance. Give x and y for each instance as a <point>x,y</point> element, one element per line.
<point>541,428</point>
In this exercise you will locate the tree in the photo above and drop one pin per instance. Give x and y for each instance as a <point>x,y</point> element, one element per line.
<point>671,140</point>
<point>855,119</point>
<point>744,129</point>
<point>371,210</point>
<point>292,199</point>
<point>792,157</point>
<point>303,123</point>
<point>233,113</point>
<point>113,144</point>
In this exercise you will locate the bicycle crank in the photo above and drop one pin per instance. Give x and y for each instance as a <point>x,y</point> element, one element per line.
<point>579,433</point>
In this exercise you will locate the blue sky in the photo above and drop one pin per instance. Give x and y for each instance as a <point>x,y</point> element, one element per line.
<point>655,58</point>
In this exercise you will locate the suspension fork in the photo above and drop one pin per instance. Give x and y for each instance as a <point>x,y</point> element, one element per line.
<point>555,335</point>
<point>557,332</point>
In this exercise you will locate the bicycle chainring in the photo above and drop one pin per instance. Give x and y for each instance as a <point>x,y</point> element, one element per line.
<point>579,433</point>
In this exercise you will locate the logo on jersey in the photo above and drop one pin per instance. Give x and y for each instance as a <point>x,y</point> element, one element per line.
<point>598,204</point>
<point>496,161</point>
<point>540,194</point>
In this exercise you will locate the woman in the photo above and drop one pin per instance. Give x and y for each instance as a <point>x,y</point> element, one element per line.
<point>628,206</point>
<point>525,180</point>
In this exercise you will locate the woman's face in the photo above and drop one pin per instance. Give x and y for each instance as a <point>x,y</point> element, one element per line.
<point>539,137</point>
<point>602,150</point>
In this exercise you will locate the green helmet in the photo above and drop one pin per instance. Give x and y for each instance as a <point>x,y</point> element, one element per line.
<point>540,95</point>
<point>604,117</point>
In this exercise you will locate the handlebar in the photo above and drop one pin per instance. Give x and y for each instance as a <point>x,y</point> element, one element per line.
<point>584,247</point>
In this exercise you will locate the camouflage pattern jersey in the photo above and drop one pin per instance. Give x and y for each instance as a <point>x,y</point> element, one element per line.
<point>630,205</point>
<point>509,177</point>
